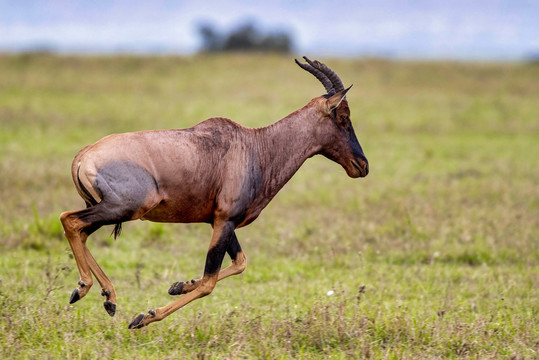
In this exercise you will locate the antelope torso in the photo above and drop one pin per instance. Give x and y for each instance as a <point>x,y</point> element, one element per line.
<point>195,172</point>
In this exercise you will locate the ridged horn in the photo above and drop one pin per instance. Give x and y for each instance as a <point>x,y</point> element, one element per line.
<point>319,75</point>
<point>330,74</point>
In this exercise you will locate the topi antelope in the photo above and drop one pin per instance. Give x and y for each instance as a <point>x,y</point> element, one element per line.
<point>217,172</point>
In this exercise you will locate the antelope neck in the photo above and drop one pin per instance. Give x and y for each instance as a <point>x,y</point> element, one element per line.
<point>284,146</point>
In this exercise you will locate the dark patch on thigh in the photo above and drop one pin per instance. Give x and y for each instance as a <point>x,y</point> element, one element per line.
<point>124,187</point>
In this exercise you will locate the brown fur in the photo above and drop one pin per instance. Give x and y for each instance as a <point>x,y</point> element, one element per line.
<point>216,172</point>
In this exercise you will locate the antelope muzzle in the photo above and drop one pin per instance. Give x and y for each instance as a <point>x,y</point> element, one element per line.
<point>361,164</point>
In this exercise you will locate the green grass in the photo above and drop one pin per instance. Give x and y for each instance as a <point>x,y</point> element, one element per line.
<point>434,255</point>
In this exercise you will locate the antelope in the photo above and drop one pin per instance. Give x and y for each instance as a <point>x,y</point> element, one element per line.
<point>216,172</point>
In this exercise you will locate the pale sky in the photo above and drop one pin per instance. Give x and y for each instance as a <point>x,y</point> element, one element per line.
<point>469,29</point>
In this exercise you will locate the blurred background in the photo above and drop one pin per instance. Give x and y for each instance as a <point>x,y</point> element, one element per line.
<point>476,30</point>
<point>434,255</point>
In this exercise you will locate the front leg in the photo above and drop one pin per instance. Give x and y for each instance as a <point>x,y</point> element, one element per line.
<point>239,263</point>
<point>223,232</point>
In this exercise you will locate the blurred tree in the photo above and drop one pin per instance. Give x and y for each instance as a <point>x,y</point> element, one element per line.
<point>211,41</point>
<point>245,37</point>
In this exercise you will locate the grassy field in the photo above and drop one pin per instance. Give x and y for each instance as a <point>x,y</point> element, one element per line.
<point>434,255</point>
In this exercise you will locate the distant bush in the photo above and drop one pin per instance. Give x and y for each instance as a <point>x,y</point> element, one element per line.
<point>246,37</point>
<point>533,58</point>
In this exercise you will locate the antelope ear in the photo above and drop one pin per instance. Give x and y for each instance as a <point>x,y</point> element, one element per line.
<point>336,99</point>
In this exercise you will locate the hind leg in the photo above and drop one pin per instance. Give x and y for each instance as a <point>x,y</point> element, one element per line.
<point>73,227</point>
<point>77,232</point>
<point>107,288</point>
<point>78,225</point>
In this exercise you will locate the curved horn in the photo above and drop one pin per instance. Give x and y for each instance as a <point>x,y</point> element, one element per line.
<point>331,75</point>
<point>328,85</point>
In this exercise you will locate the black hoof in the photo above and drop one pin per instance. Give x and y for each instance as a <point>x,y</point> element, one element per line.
<point>74,296</point>
<point>137,322</point>
<point>176,288</point>
<point>110,307</point>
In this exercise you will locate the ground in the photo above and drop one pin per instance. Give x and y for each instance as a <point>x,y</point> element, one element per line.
<point>433,255</point>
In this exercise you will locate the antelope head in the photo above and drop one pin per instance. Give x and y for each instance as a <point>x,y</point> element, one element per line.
<point>335,130</point>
